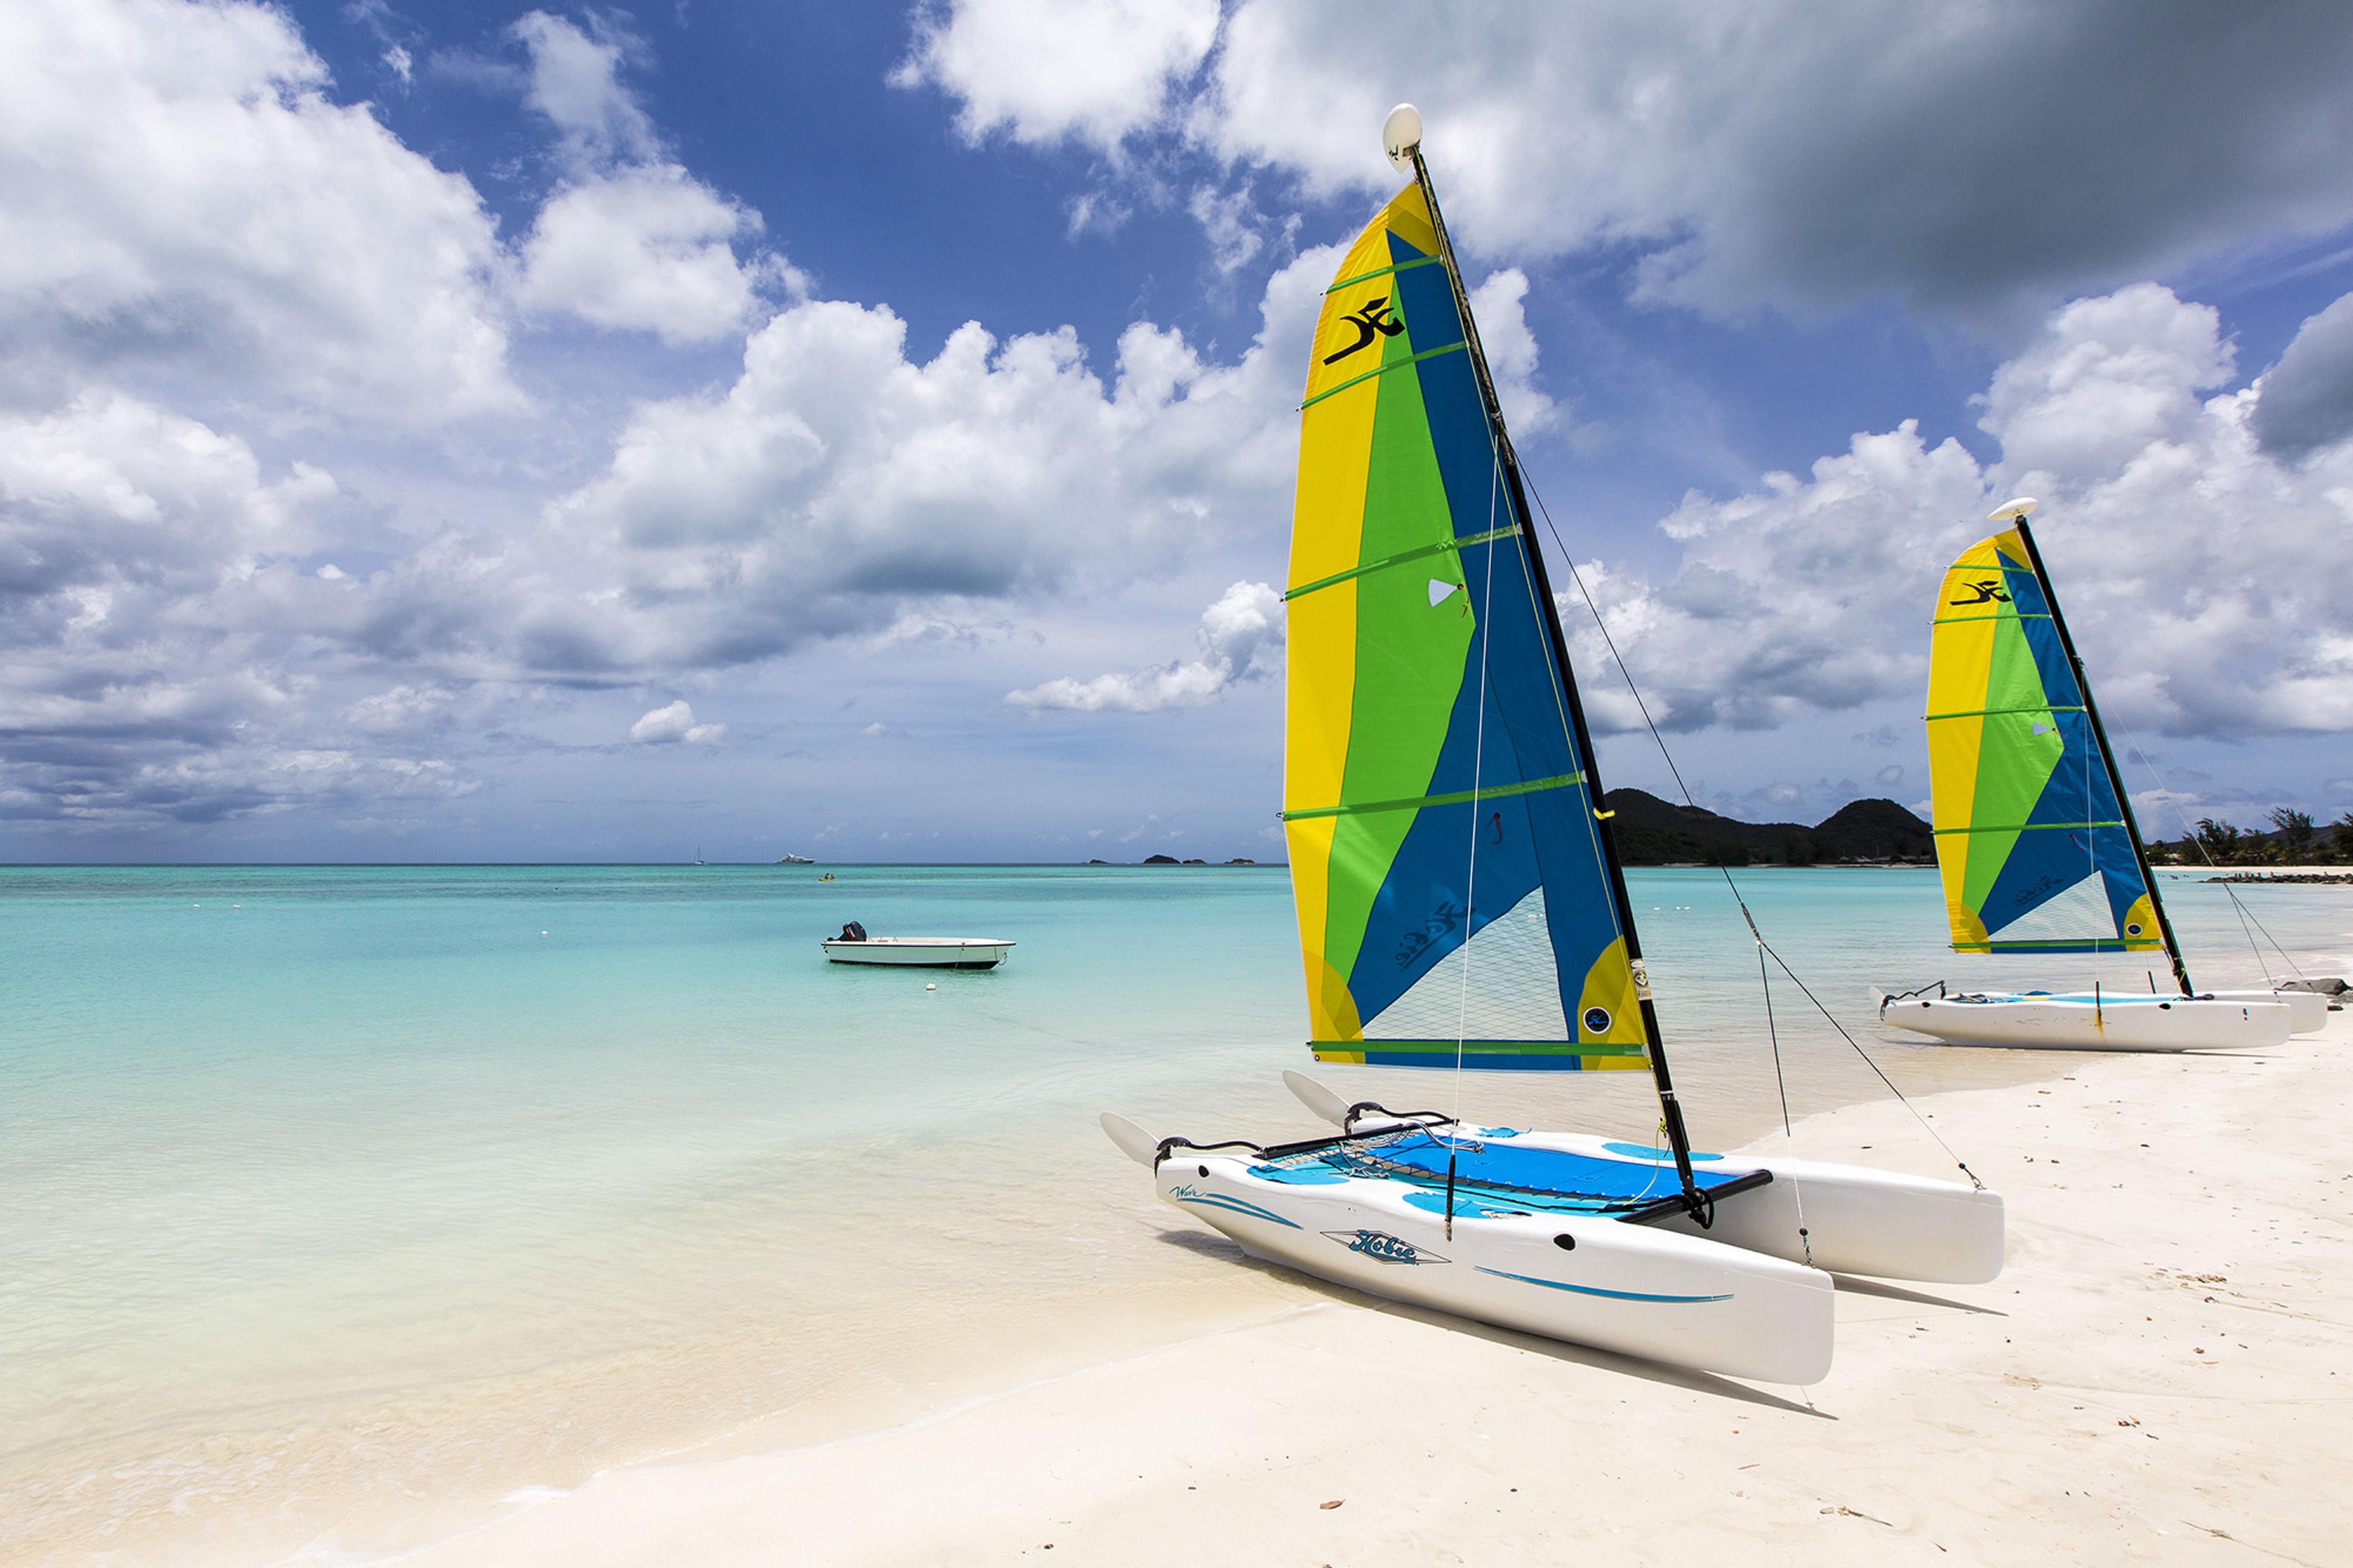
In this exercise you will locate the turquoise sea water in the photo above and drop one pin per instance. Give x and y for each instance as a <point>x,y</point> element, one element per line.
<point>333,1189</point>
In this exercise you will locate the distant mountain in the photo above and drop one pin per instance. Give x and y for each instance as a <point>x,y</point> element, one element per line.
<point>1874,830</point>
<point>1655,832</point>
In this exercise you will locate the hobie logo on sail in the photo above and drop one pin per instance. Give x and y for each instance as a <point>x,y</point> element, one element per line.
<point>1370,323</point>
<point>1444,921</point>
<point>1989,591</point>
<point>1382,1247</point>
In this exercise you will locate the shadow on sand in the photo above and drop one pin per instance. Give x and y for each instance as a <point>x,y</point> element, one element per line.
<point>1863,1287</point>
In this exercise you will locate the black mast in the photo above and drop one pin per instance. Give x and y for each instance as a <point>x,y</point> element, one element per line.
<point>2100,738</point>
<point>1670,1111</point>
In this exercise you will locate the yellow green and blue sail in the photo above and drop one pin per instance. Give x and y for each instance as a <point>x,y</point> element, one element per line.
<point>2034,845</point>
<point>1436,808</point>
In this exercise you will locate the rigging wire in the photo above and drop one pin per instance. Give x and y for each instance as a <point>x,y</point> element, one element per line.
<point>2091,834</point>
<point>1563,699</point>
<point>1764,947</point>
<point>1773,1032</point>
<point>2190,837</point>
<point>1471,875</point>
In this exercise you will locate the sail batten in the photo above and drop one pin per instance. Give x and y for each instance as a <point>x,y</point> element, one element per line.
<point>1438,810</point>
<point>2024,827</point>
<point>1421,552</point>
<point>1341,283</point>
<point>1380,370</point>
<point>1491,792</point>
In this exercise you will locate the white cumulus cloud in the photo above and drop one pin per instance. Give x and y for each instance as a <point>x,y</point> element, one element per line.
<point>1805,152</point>
<point>1511,346</point>
<point>176,190</point>
<point>669,725</point>
<point>1090,70</point>
<point>631,239</point>
<point>575,82</point>
<point>2181,551</point>
<point>838,480</point>
<point>2308,401</point>
<point>646,248</point>
<point>1241,637</point>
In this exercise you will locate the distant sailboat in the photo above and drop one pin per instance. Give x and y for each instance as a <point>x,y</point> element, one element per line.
<point>698,856</point>
<point>2035,833</point>
<point>1460,905</point>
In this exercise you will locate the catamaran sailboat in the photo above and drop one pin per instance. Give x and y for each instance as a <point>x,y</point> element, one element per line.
<point>1460,905</point>
<point>2035,833</point>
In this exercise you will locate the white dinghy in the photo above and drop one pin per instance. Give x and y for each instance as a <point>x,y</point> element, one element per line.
<point>854,946</point>
<point>1460,905</point>
<point>2035,835</point>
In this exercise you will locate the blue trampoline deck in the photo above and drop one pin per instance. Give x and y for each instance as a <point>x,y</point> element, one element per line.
<point>1509,1175</point>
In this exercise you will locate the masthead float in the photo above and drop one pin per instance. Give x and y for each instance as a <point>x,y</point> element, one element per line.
<point>1461,904</point>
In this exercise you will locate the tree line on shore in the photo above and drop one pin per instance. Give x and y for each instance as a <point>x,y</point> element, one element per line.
<point>1655,832</point>
<point>2294,839</point>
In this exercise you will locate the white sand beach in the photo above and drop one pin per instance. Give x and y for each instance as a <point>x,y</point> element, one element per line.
<point>2164,1373</point>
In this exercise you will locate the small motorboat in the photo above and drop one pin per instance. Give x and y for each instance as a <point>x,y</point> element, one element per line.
<point>854,946</point>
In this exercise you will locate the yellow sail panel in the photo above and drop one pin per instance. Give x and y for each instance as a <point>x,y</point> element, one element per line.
<point>1328,542</point>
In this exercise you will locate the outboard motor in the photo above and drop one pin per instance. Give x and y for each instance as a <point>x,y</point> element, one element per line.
<point>853,931</point>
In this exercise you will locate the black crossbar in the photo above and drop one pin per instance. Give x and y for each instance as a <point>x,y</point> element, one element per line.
<point>1669,1208</point>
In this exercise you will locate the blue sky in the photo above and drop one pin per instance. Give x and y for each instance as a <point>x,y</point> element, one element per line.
<point>512,432</point>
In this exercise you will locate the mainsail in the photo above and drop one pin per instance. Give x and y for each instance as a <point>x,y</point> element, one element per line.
<point>1456,899</point>
<point>2036,843</point>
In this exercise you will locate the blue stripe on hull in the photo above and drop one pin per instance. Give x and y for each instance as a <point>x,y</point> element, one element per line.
<point>1236,1205</point>
<point>1597,1290</point>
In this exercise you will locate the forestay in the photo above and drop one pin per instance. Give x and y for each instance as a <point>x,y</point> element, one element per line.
<point>2034,845</point>
<point>1437,810</point>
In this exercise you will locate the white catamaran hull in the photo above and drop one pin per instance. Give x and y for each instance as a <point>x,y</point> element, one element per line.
<point>1747,1295</point>
<point>1854,1220</point>
<point>2307,1011</point>
<point>921,951</point>
<point>1636,1290</point>
<point>2067,1024</point>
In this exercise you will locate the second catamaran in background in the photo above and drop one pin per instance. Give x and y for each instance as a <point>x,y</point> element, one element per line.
<point>2035,832</point>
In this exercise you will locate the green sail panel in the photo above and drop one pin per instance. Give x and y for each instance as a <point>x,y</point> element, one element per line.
<point>1453,899</point>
